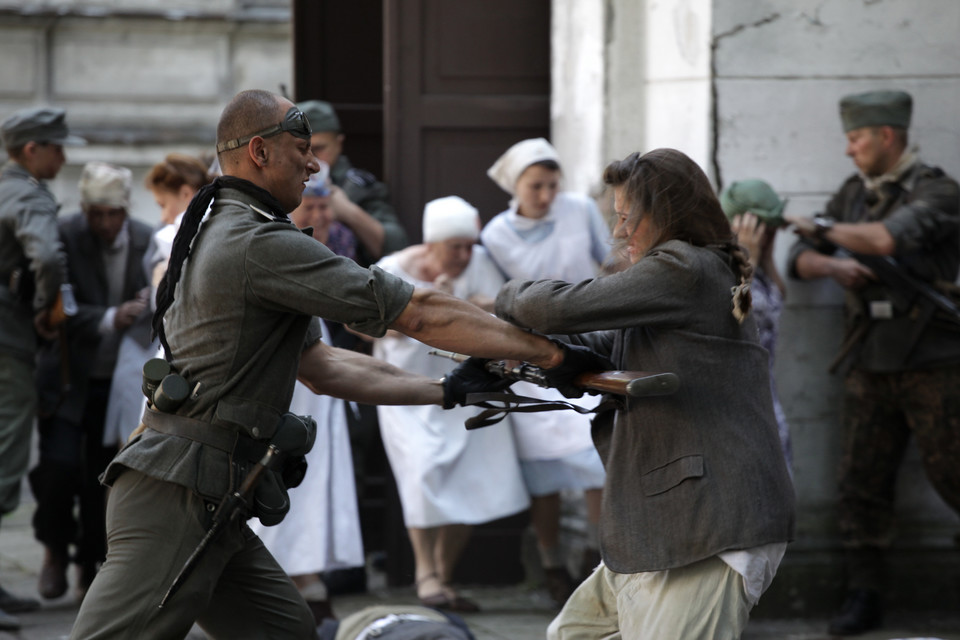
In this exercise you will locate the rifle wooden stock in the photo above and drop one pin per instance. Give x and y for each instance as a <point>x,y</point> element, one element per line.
<point>636,384</point>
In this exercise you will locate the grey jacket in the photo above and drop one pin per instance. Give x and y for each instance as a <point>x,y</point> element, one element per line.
<point>238,325</point>
<point>692,474</point>
<point>28,236</point>
<point>88,276</point>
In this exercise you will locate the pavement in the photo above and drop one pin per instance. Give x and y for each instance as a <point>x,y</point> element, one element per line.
<point>518,612</point>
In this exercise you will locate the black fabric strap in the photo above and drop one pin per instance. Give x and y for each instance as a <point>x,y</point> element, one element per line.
<point>496,407</point>
<point>189,226</point>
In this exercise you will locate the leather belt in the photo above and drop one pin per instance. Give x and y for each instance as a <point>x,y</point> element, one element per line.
<point>222,438</point>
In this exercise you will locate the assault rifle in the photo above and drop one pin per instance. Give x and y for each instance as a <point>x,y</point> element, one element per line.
<point>924,301</point>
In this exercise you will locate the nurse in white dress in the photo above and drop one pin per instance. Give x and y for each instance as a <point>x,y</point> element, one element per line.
<point>549,234</point>
<point>448,478</point>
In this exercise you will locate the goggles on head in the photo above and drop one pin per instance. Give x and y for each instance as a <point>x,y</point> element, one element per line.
<point>295,123</point>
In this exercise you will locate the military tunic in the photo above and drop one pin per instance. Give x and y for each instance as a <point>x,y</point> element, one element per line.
<point>241,317</point>
<point>904,378</point>
<point>28,237</point>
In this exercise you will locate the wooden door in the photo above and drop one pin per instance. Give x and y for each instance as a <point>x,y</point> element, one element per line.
<point>465,79</point>
<point>338,57</point>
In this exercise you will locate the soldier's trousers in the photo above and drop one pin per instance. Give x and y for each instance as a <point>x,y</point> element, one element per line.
<point>881,412</point>
<point>236,591</point>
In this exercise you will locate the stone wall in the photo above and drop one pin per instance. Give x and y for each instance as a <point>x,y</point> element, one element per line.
<point>139,78</point>
<point>750,89</point>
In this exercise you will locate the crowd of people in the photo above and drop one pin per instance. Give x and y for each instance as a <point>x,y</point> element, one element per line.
<point>280,288</point>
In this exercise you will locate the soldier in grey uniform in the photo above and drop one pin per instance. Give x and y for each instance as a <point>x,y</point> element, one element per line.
<point>237,316</point>
<point>903,368</point>
<point>31,271</point>
<point>359,201</point>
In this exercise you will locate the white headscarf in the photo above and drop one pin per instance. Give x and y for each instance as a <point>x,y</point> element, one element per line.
<point>508,167</point>
<point>450,217</point>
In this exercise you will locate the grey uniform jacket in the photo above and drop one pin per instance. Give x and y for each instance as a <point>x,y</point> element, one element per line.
<point>28,235</point>
<point>692,474</point>
<point>237,327</point>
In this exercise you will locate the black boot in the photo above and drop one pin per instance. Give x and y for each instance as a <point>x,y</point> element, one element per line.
<point>862,611</point>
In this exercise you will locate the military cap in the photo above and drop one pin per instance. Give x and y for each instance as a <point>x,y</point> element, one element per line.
<point>876,109</point>
<point>321,115</point>
<point>37,124</point>
<point>756,197</point>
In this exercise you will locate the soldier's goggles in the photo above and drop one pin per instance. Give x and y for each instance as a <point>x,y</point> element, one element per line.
<point>295,123</point>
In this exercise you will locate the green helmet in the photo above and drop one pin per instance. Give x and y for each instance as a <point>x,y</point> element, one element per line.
<point>756,197</point>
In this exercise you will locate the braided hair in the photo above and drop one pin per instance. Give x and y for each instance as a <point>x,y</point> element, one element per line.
<point>674,192</point>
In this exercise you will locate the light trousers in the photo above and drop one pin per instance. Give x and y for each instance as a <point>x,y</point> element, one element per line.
<point>701,601</point>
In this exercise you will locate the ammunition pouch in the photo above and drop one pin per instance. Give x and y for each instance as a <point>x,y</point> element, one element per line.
<point>294,437</point>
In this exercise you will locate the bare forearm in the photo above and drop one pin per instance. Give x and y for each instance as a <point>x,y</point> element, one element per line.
<point>811,265</point>
<point>449,323</point>
<point>870,238</point>
<point>368,229</point>
<point>360,378</point>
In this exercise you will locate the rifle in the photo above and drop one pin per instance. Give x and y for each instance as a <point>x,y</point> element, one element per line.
<point>912,292</point>
<point>910,288</point>
<point>636,384</point>
<point>233,505</point>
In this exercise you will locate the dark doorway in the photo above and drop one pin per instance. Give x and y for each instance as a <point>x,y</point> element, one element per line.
<point>429,93</point>
<point>465,80</point>
<point>338,57</point>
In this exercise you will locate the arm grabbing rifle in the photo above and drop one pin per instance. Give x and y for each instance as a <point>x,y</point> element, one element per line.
<point>636,384</point>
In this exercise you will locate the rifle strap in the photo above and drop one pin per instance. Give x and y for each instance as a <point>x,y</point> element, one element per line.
<point>496,407</point>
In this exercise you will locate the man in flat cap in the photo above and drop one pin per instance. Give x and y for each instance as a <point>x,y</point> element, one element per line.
<point>31,271</point>
<point>902,354</point>
<point>359,200</point>
<point>105,250</point>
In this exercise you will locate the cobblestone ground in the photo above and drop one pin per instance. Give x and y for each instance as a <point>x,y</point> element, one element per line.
<point>509,613</point>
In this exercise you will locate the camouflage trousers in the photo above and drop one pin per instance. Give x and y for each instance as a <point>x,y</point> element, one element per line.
<point>881,412</point>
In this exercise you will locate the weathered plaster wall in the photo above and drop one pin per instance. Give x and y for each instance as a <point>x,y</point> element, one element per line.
<point>139,78</point>
<point>780,70</point>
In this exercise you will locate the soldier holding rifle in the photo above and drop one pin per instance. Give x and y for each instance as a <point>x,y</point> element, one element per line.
<point>235,315</point>
<point>697,506</point>
<point>902,352</point>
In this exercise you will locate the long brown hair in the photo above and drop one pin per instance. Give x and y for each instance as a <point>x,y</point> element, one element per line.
<point>674,192</point>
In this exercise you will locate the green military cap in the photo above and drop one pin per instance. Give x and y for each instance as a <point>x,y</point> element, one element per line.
<point>755,196</point>
<point>37,124</point>
<point>321,115</point>
<point>876,109</point>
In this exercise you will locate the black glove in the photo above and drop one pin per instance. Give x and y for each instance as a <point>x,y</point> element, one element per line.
<point>576,360</point>
<point>470,376</point>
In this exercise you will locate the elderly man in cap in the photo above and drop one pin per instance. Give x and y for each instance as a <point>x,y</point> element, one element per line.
<point>31,271</point>
<point>359,201</point>
<point>902,363</point>
<point>104,249</point>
